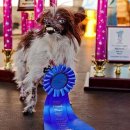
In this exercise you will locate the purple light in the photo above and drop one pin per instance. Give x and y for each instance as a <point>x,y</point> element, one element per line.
<point>101,41</point>
<point>7,28</point>
<point>38,9</point>
<point>24,17</point>
<point>30,24</point>
<point>53,3</point>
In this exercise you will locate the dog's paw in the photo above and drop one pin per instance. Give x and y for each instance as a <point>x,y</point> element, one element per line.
<point>28,111</point>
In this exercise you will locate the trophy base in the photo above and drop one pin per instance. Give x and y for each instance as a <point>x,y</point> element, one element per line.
<point>99,74</point>
<point>6,75</point>
<point>110,81</point>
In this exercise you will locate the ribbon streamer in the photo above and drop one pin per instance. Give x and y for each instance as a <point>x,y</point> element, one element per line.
<point>58,113</point>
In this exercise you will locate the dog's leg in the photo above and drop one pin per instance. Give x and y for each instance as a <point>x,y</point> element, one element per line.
<point>38,59</point>
<point>31,101</point>
<point>23,95</point>
<point>30,84</point>
<point>20,71</point>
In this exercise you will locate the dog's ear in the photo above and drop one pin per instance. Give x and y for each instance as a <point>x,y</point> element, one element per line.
<point>79,17</point>
<point>40,20</point>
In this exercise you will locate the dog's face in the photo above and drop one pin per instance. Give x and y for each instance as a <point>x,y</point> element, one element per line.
<point>61,21</point>
<point>54,23</point>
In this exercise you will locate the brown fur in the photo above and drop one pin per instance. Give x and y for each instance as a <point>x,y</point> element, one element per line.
<point>71,28</point>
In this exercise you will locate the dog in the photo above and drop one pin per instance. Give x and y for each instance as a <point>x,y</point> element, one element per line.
<point>56,43</point>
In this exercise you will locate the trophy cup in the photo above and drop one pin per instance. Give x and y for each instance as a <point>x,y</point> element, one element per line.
<point>99,67</point>
<point>129,68</point>
<point>118,69</point>
<point>8,61</point>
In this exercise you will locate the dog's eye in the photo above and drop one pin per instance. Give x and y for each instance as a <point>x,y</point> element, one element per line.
<point>61,21</point>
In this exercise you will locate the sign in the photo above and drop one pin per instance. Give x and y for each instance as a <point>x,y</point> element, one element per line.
<point>118,46</point>
<point>26,5</point>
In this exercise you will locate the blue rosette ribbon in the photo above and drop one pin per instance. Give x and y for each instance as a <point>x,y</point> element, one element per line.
<point>58,113</point>
<point>59,80</point>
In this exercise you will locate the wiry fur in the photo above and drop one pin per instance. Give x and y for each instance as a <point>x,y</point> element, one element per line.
<point>38,50</point>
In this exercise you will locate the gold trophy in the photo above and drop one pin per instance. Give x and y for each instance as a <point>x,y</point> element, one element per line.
<point>8,61</point>
<point>99,67</point>
<point>118,69</point>
<point>129,68</point>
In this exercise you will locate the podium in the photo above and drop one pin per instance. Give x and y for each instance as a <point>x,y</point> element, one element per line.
<point>6,75</point>
<point>110,81</point>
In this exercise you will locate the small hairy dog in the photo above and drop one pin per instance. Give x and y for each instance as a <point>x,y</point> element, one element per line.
<point>56,43</point>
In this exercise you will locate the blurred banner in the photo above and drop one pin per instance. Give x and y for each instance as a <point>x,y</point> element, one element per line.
<point>112,12</point>
<point>25,5</point>
<point>90,4</point>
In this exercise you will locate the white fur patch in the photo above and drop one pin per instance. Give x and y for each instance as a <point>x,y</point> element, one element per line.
<point>30,63</point>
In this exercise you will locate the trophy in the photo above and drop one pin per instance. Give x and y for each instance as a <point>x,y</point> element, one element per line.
<point>118,69</point>
<point>129,68</point>
<point>99,67</point>
<point>8,61</point>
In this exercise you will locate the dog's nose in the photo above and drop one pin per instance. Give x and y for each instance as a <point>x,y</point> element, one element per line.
<point>49,22</point>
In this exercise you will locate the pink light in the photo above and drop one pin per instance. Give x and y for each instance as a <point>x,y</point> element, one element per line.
<point>101,37</point>
<point>7,28</point>
<point>24,17</point>
<point>30,21</point>
<point>53,3</point>
<point>30,24</point>
<point>38,9</point>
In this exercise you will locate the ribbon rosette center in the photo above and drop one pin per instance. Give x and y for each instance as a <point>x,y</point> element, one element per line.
<point>59,80</point>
